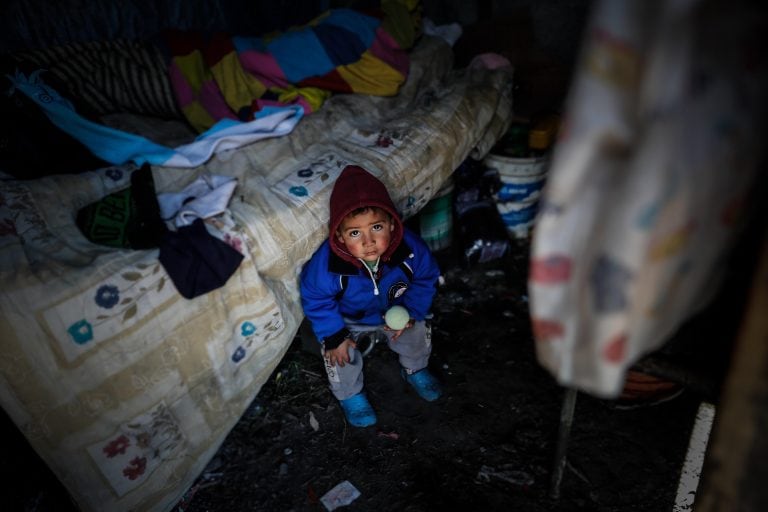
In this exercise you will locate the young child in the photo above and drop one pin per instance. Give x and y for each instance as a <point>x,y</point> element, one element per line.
<point>369,263</point>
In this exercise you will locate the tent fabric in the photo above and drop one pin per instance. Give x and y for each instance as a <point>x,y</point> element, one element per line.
<point>650,184</point>
<point>35,24</point>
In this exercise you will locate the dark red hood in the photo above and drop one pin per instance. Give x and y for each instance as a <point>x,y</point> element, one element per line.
<point>355,188</point>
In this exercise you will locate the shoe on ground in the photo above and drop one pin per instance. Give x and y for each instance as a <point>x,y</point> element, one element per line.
<point>424,383</point>
<point>645,390</point>
<point>358,410</point>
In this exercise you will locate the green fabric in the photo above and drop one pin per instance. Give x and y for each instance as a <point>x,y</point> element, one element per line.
<point>105,222</point>
<point>400,23</point>
<point>128,218</point>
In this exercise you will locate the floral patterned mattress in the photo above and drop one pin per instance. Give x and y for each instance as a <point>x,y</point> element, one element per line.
<point>125,388</point>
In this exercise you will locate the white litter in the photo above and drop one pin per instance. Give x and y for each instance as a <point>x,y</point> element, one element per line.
<point>313,422</point>
<point>341,495</point>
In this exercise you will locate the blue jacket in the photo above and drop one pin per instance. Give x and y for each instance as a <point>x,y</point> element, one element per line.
<point>408,278</point>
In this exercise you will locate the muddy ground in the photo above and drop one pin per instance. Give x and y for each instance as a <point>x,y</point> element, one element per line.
<point>487,444</point>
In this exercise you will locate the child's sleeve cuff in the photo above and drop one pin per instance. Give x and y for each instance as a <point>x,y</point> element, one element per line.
<point>334,340</point>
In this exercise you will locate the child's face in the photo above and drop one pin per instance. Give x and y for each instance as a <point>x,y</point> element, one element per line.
<point>367,234</point>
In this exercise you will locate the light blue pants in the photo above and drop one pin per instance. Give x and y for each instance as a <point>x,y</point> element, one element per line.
<point>413,347</point>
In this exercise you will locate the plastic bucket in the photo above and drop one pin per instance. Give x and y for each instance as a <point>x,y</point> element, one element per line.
<point>522,180</point>
<point>436,219</point>
<point>518,216</point>
<point>523,189</point>
<point>517,167</point>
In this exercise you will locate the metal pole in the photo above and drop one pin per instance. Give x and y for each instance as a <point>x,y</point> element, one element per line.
<point>563,434</point>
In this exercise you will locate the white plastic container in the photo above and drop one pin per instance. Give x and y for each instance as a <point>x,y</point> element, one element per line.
<point>522,180</point>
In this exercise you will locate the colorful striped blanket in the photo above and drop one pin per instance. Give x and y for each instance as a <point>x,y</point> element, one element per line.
<point>343,50</point>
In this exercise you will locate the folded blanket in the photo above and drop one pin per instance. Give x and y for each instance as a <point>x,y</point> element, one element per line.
<point>343,50</point>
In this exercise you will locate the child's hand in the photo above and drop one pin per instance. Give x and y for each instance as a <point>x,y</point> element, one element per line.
<point>340,354</point>
<point>398,332</point>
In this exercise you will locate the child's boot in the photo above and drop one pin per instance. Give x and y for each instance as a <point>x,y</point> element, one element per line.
<point>424,383</point>
<point>358,410</point>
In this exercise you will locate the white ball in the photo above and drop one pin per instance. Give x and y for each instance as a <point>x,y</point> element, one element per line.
<point>396,317</point>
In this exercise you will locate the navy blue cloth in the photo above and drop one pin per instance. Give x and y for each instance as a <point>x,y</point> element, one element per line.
<point>196,261</point>
<point>343,46</point>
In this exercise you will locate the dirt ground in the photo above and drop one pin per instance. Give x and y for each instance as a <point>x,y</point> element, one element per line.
<point>487,444</point>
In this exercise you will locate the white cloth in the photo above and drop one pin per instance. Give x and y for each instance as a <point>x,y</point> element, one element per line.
<point>449,33</point>
<point>205,197</point>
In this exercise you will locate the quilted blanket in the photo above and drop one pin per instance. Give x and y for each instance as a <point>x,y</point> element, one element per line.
<point>343,50</point>
<point>125,388</point>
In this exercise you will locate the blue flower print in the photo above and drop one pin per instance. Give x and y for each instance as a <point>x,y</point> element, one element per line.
<point>247,328</point>
<point>114,174</point>
<point>305,173</point>
<point>107,296</point>
<point>81,332</point>
<point>298,191</point>
<point>238,355</point>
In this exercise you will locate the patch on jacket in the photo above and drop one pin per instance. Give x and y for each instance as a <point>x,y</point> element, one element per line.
<point>397,290</point>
